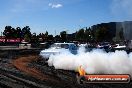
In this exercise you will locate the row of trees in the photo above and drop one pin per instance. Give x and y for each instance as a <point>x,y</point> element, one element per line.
<point>97,34</point>
<point>87,35</point>
<point>23,33</point>
<point>82,35</point>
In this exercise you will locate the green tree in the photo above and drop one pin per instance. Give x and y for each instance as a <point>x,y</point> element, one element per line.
<point>88,35</point>
<point>63,36</point>
<point>27,38</point>
<point>26,34</point>
<point>57,38</point>
<point>46,33</point>
<point>50,38</point>
<point>45,36</point>
<point>7,32</point>
<point>101,34</point>
<point>19,33</point>
<point>80,35</point>
<point>13,33</point>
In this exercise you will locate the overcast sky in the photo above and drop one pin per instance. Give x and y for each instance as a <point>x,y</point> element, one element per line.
<point>59,15</point>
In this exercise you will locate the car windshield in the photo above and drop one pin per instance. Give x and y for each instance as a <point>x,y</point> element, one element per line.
<point>66,46</point>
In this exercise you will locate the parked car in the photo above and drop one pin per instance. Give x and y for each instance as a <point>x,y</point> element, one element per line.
<point>58,48</point>
<point>104,45</point>
<point>119,46</point>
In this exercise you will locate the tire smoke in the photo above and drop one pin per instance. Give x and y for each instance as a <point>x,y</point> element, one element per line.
<point>94,62</point>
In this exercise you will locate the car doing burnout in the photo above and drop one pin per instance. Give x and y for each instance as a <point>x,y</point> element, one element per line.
<point>58,48</point>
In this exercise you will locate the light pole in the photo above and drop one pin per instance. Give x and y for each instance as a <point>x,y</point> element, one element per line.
<point>1,33</point>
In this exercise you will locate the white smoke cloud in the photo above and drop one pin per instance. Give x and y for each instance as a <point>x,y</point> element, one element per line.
<point>55,5</point>
<point>96,61</point>
<point>122,7</point>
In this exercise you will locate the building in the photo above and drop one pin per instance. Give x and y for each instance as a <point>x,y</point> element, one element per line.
<point>117,30</point>
<point>126,28</point>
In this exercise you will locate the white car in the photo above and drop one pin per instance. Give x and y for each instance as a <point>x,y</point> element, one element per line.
<point>57,48</point>
<point>119,46</point>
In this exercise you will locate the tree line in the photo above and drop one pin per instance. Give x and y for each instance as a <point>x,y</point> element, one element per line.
<point>12,33</point>
<point>82,35</point>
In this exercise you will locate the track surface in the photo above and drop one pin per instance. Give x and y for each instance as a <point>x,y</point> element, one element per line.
<point>32,72</point>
